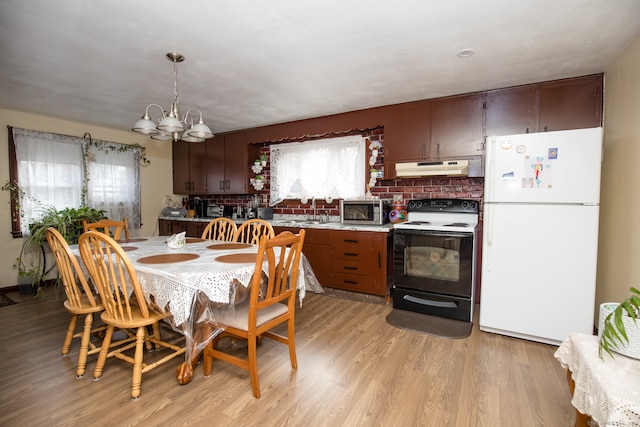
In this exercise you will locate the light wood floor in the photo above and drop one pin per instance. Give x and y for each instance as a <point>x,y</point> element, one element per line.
<point>354,370</point>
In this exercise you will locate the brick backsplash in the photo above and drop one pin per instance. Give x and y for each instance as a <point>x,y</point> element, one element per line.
<point>408,188</point>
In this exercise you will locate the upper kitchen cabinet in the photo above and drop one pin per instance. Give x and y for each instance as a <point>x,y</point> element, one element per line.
<point>406,134</point>
<point>456,127</point>
<point>571,103</point>
<point>189,167</point>
<point>227,165</point>
<point>511,111</point>
<point>550,106</point>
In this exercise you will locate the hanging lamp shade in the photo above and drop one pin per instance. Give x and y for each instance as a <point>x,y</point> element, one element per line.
<point>200,130</point>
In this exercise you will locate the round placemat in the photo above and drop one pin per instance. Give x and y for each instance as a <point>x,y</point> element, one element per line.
<point>223,246</point>
<point>237,258</point>
<point>128,248</point>
<point>131,240</point>
<point>167,258</point>
<point>194,240</point>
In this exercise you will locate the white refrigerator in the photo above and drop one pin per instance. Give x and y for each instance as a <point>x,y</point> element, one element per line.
<point>540,234</point>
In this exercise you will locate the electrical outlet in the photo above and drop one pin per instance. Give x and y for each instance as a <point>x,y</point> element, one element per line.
<point>265,198</point>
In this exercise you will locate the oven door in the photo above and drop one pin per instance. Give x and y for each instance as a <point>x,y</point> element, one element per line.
<point>433,261</point>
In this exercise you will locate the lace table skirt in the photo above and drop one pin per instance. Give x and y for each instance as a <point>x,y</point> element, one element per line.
<point>607,390</point>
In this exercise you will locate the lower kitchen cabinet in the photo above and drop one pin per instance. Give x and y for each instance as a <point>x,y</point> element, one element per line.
<point>351,260</point>
<point>360,261</point>
<point>168,227</point>
<point>317,249</point>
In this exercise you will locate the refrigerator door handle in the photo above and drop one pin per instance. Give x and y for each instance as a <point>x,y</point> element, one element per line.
<point>488,208</point>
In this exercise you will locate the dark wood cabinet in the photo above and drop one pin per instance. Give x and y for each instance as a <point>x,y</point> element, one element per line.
<point>189,167</point>
<point>457,127</point>
<point>227,165</point>
<point>511,111</point>
<point>571,104</point>
<point>407,133</point>
<point>360,261</point>
<point>167,227</point>
<point>351,260</point>
<point>317,249</point>
<point>574,103</point>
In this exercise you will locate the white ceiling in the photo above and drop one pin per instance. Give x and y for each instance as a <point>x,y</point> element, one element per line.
<point>250,63</point>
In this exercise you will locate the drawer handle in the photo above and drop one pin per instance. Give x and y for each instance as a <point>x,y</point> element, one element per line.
<point>351,282</point>
<point>351,241</point>
<point>346,267</point>
<point>350,254</point>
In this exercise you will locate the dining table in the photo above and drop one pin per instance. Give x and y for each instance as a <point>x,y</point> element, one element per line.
<point>198,284</point>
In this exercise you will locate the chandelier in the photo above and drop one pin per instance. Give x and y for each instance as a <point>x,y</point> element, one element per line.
<point>171,126</point>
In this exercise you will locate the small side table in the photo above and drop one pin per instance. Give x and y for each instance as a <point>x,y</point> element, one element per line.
<point>606,390</point>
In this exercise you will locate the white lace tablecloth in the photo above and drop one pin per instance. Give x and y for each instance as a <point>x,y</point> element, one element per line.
<point>607,390</point>
<point>176,284</point>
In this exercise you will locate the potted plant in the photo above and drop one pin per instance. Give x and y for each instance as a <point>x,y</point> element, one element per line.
<point>31,262</point>
<point>618,328</point>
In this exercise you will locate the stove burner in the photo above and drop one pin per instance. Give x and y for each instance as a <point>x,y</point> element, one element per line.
<point>418,222</point>
<point>457,224</point>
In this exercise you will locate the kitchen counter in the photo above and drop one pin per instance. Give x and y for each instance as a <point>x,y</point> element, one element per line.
<point>300,222</point>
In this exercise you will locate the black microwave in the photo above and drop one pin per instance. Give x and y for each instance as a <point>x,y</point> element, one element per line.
<point>365,212</point>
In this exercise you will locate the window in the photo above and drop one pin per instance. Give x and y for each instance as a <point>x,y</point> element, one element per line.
<point>69,172</point>
<point>323,168</point>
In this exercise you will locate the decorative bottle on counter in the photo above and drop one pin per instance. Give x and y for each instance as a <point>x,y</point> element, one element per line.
<point>398,213</point>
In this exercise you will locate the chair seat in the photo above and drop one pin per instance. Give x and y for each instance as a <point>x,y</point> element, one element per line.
<point>85,306</point>
<point>137,320</point>
<point>241,318</point>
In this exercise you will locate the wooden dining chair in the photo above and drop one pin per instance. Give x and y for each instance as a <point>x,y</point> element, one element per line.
<point>80,299</point>
<point>251,231</point>
<point>269,305</point>
<point>220,229</point>
<point>125,306</point>
<point>109,227</point>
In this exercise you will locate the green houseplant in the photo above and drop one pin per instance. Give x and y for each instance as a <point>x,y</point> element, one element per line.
<point>31,263</point>
<point>620,328</point>
<point>67,221</point>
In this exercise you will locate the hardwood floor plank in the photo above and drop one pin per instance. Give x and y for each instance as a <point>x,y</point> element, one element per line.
<point>354,370</point>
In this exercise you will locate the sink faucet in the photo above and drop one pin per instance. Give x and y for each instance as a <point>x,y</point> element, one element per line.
<point>313,206</point>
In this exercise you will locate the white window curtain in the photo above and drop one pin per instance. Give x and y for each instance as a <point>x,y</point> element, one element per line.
<point>51,172</point>
<point>113,185</point>
<point>333,167</point>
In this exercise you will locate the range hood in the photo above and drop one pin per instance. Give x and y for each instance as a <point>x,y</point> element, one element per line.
<point>438,168</point>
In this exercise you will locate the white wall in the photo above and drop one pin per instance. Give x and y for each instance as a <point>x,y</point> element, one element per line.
<point>156,179</point>
<point>619,249</point>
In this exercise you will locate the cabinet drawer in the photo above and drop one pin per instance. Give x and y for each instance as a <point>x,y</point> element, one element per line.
<point>353,282</point>
<point>362,267</point>
<point>353,246</point>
